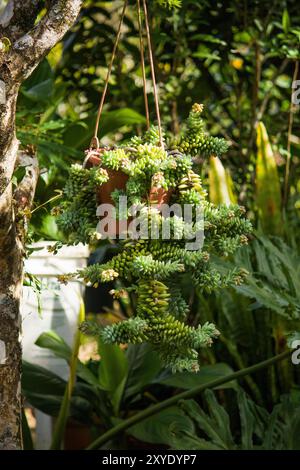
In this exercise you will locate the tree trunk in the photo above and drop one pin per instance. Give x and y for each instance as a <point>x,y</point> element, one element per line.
<point>11,269</point>
<point>13,208</point>
<point>31,36</point>
<point>10,276</point>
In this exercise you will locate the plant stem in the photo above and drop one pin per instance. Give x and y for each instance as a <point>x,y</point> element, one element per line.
<point>60,426</point>
<point>182,396</point>
<point>240,363</point>
<point>255,90</point>
<point>290,127</point>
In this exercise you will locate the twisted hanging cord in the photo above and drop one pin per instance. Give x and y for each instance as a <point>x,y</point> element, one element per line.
<point>95,140</point>
<point>153,74</point>
<point>143,63</point>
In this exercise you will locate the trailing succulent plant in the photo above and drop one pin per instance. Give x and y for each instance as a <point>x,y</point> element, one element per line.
<point>152,268</point>
<point>195,141</point>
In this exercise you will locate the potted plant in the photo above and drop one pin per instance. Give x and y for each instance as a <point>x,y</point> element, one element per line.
<point>152,268</point>
<point>128,162</point>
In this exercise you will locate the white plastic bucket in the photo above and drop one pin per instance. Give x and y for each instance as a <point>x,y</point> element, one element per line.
<point>59,312</point>
<point>59,303</point>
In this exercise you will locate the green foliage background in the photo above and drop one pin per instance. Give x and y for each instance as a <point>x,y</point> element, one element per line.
<point>239,59</point>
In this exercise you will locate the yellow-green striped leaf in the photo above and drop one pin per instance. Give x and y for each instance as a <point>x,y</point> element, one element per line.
<point>220,183</point>
<point>268,193</point>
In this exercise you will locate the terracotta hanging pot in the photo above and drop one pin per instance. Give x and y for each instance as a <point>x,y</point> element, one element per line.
<point>159,196</point>
<point>118,180</point>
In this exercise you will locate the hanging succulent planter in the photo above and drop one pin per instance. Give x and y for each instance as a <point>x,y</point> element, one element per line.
<point>117,179</point>
<point>107,158</point>
<point>119,163</point>
<point>149,172</point>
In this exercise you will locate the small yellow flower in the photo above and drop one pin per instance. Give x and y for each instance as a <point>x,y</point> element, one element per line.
<point>65,278</point>
<point>237,63</point>
<point>197,108</point>
<point>109,275</point>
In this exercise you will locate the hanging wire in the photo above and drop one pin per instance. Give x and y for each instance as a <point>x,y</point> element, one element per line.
<point>143,63</point>
<point>95,140</point>
<point>153,74</point>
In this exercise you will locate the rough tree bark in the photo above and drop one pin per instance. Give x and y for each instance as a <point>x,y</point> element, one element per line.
<point>30,40</point>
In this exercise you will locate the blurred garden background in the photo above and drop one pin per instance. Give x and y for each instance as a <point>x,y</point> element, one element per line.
<point>239,59</point>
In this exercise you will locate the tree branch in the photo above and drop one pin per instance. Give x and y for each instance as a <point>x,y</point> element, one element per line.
<point>18,17</point>
<point>19,61</point>
<point>24,193</point>
<point>30,49</point>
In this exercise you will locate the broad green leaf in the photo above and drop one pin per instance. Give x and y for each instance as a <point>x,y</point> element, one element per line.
<point>187,380</point>
<point>143,367</point>
<point>49,228</point>
<point>247,421</point>
<point>243,37</point>
<point>169,3</point>
<point>41,380</point>
<point>275,282</point>
<point>268,192</point>
<point>218,433</point>
<point>79,135</point>
<point>286,23</point>
<point>160,428</point>
<point>26,433</point>
<point>208,38</point>
<point>183,439</point>
<point>117,395</point>
<point>48,404</point>
<point>52,341</point>
<point>40,92</point>
<point>207,55</point>
<point>113,370</point>
<point>266,296</point>
<point>41,74</point>
<point>259,25</point>
<point>113,366</point>
<point>56,344</point>
<point>283,81</point>
<point>273,432</point>
<point>287,260</point>
<point>294,434</point>
<point>42,388</point>
<point>221,418</point>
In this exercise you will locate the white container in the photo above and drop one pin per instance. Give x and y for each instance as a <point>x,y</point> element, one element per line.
<point>59,312</point>
<point>59,303</point>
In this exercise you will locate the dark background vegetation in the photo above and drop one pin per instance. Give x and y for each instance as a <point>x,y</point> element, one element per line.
<point>239,58</point>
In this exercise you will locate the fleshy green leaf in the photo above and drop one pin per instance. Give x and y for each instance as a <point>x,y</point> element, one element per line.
<point>268,190</point>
